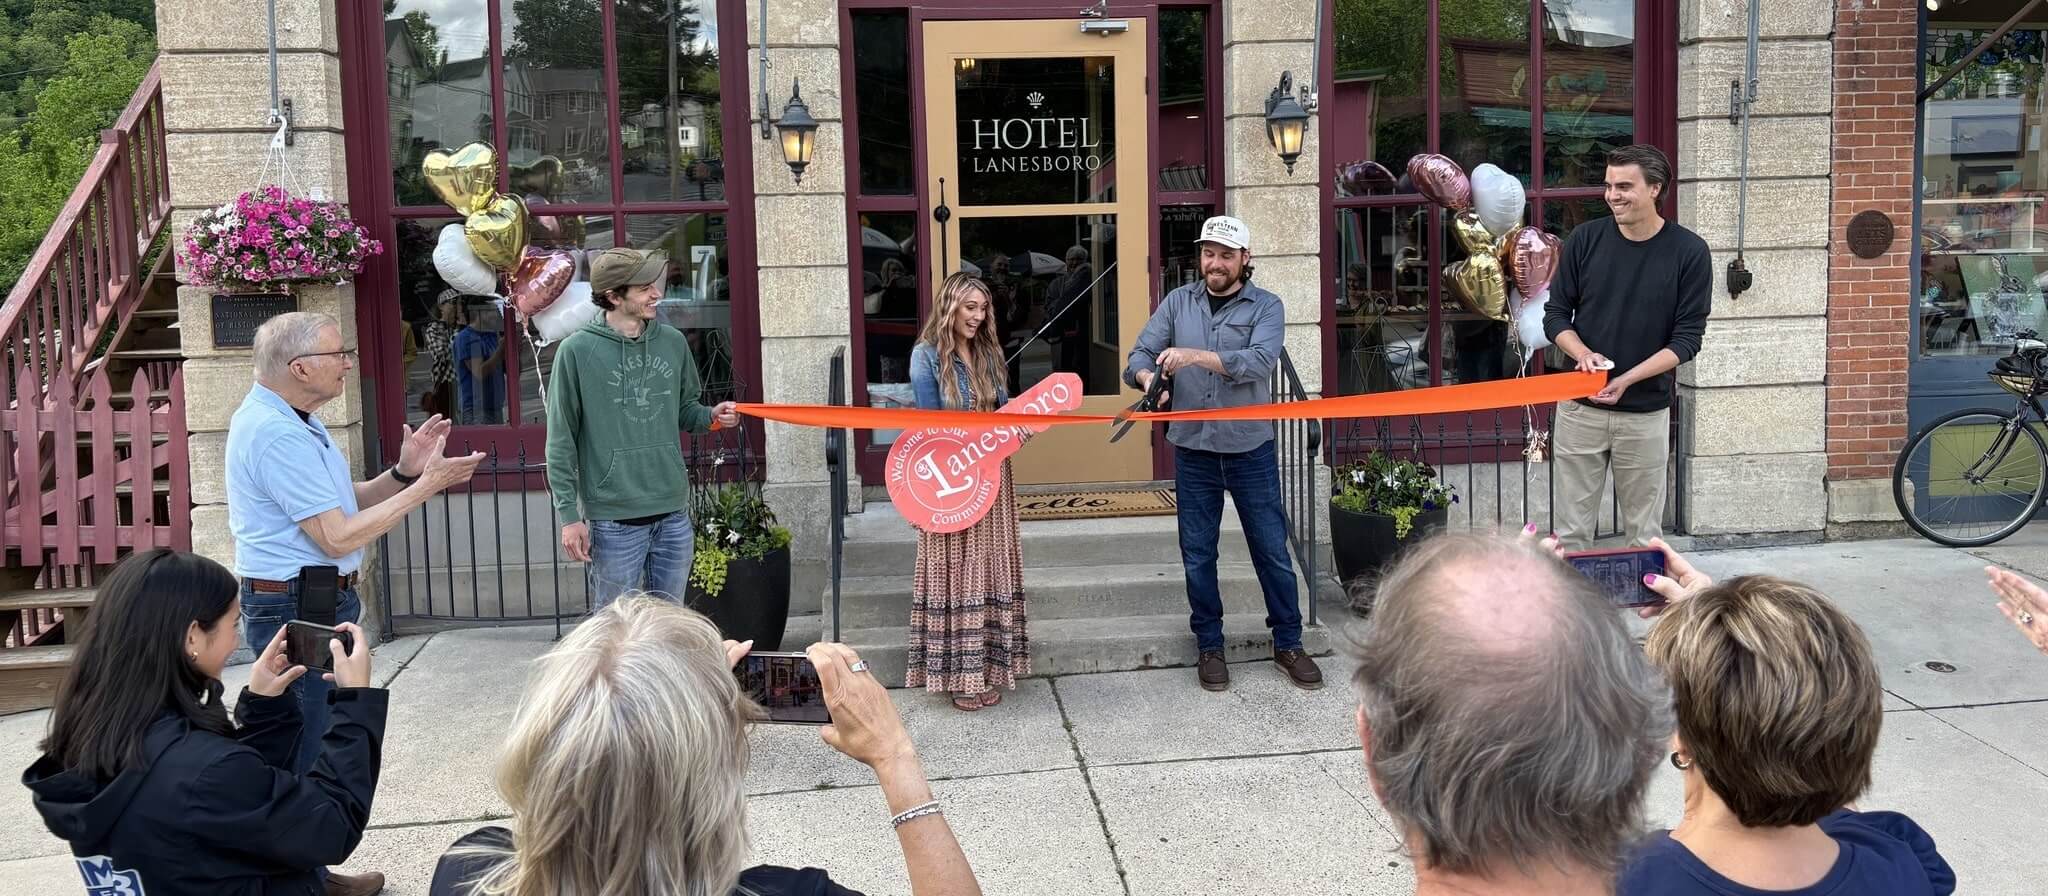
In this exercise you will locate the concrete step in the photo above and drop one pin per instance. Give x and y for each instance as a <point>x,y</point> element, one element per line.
<point>1065,592</point>
<point>879,542</point>
<point>1101,644</point>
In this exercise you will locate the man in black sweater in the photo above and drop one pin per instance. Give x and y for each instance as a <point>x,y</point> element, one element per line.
<point>1631,295</point>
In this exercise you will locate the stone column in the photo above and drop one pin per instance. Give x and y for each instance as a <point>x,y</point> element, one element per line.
<point>216,83</point>
<point>801,244</point>
<point>1754,403</point>
<point>1261,40</point>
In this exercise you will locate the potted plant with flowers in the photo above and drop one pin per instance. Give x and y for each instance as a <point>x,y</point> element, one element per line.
<point>1380,505</point>
<point>268,237</point>
<point>739,574</point>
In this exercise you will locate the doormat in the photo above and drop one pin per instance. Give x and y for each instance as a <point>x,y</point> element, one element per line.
<point>1091,505</point>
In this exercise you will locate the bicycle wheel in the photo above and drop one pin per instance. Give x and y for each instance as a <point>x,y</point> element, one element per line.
<point>1968,480</point>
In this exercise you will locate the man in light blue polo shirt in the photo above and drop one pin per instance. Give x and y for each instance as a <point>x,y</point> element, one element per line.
<point>292,502</point>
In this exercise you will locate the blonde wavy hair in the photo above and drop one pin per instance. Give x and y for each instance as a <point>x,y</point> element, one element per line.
<point>626,762</point>
<point>986,375</point>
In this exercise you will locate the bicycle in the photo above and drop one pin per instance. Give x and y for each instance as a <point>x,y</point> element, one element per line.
<point>1975,476</point>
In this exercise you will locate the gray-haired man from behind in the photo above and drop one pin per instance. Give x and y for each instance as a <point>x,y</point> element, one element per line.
<point>1509,721</point>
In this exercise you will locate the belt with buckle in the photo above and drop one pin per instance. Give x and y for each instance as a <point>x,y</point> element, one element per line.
<point>272,586</point>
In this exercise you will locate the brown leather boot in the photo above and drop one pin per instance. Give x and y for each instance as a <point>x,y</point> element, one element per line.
<point>1212,671</point>
<point>1300,669</point>
<point>368,883</point>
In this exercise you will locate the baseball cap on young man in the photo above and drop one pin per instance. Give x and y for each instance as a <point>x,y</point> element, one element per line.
<point>1224,230</point>
<point>620,268</point>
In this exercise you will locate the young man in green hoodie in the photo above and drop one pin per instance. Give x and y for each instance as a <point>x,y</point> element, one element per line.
<point>622,389</point>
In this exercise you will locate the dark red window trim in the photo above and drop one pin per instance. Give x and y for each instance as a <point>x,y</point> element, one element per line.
<point>1656,122</point>
<point>366,105</point>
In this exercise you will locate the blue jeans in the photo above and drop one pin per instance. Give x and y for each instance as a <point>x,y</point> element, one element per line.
<point>653,558</point>
<point>262,616</point>
<point>1200,479</point>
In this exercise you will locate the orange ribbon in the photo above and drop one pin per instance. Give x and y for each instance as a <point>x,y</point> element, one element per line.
<point>1531,390</point>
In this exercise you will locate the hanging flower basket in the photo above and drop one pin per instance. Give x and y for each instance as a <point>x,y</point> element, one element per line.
<point>268,237</point>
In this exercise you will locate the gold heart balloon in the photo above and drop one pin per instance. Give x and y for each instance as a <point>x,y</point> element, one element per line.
<point>1480,285</point>
<point>497,232</point>
<point>466,179</point>
<point>1472,234</point>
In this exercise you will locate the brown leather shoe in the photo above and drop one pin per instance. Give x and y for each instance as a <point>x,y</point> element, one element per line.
<point>368,883</point>
<point>1300,669</point>
<point>1211,670</point>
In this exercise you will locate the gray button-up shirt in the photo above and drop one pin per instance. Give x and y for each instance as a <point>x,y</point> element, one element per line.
<point>1247,334</point>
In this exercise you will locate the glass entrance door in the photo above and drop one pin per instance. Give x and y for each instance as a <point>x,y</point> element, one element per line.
<point>1039,156</point>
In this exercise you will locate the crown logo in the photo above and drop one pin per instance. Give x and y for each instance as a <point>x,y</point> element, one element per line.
<point>1035,98</point>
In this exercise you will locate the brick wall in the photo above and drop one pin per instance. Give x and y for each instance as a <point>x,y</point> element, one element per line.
<point>1869,300</point>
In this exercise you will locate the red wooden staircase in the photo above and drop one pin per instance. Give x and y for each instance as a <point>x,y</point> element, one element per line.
<point>93,458</point>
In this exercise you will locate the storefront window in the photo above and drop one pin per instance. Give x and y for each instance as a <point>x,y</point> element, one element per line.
<point>1179,259</point>
<point>698,297</point>
<point>555,107</point>
<point>646,170</point>
<point>889,274</point>
<point>1398,322</point>
<point>1051,273</point>
<point>881,90</point>
<point>1184,125</point>
<point>1983,235</point>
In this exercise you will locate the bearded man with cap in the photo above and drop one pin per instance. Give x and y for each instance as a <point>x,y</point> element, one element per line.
<point>1217,339</point>
<point>622,390</point>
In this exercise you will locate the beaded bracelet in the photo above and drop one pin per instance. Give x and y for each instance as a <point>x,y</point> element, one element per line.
<point>930,808</point>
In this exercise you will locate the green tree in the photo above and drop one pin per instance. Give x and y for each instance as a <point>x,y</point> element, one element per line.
<point>34,40</point>
<point>43,158</point>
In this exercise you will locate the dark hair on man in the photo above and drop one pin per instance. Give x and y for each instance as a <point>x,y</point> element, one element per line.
<point>605,300</point>
<point>1511,720</point>
<point>1655,166</point>
<point>131,665</point>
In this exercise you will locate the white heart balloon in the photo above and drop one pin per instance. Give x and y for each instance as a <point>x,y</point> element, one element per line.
<point>566,314</point>
<point>459,266</point>
<point>1499,199</point>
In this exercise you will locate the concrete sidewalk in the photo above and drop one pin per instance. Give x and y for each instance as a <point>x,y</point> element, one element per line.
<point>1141,784</point>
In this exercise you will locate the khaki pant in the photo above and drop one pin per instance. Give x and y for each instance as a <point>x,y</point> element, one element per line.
<point>1584,441</point>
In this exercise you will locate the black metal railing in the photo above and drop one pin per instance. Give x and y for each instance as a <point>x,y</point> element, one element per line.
<point>1483,456</point>
<point>1299,445</point>
<point>491,552</point>
<point>836,464</point>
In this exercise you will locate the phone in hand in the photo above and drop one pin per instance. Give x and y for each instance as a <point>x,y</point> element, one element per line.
<point>1619,572</point>
<point>787,685</point>
<point>305,644</point>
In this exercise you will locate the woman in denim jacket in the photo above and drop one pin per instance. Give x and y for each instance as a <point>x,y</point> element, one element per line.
<point>967,605</point>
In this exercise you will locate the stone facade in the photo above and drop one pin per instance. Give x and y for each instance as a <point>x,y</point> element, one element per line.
<point>1870,301</point>
<point>216,107</point>
<point>1755,446</point>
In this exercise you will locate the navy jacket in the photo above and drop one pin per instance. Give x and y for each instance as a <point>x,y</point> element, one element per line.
<point>205,814</point>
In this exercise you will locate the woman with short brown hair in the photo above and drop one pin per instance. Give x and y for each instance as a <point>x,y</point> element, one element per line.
<point>1779,706</point>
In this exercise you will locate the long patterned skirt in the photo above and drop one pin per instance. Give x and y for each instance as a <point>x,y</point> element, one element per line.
<point>967,605</point>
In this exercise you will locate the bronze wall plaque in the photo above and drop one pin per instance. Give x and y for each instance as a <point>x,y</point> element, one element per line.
<point>1870,234</point>
<point>236,317</point>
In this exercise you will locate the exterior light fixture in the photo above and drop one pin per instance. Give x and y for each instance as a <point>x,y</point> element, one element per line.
<point>798,131</point>
<point>1286,121</point>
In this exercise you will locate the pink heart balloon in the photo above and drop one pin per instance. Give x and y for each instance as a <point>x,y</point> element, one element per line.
<point>1364,178</point>
<point>540,279</point>
<point>1440,180</point>
<point>1531,255</point>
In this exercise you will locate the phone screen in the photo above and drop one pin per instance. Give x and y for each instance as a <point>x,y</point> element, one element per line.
<point>787,685</point>
<point>305,644</point>
<point>1620,573</point>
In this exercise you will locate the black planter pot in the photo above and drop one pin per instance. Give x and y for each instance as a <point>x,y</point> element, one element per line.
<point>1364,543</point>
<point>755,603</point>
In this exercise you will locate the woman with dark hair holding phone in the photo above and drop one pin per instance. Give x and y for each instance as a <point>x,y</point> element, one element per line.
<point>158,791</point>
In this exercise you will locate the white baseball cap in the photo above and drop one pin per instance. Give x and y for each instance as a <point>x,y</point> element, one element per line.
<point>1225,230</point>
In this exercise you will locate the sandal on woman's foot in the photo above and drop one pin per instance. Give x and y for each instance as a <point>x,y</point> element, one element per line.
<point>967,703</point>
<point>991,697</point>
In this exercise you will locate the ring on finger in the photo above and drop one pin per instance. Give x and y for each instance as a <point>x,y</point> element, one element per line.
<point>2026,618</point>
<point>859,666</point>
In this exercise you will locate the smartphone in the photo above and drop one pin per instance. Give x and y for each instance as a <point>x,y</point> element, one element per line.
<point>1620,572</point>
<point>319,590</point>
<point>305,644</point>
<point>787,685</point>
